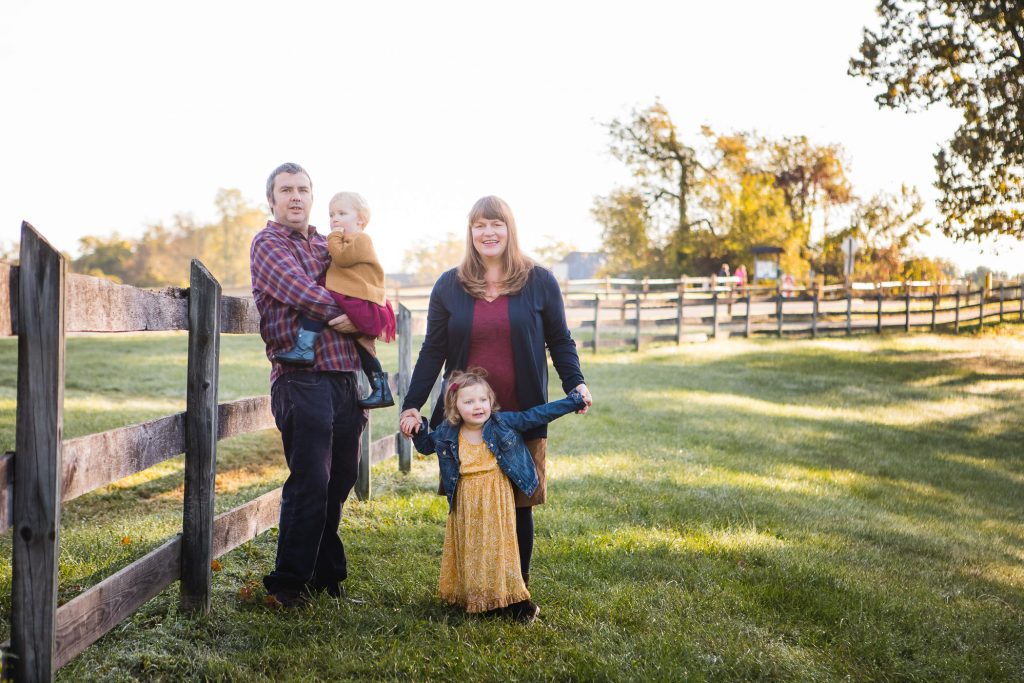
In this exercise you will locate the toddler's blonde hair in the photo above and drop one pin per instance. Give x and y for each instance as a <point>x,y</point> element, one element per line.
<point>362,208</point>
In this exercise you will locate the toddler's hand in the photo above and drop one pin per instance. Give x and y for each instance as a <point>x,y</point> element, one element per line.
<point>410,422</point>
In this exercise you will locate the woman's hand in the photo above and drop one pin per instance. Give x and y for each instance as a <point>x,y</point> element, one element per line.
<point>342,325</point>
<point>410,421</point>
<point>585,393</point>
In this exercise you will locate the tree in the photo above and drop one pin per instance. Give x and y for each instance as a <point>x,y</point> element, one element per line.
<point>226,250</point>
<point>10,251</point>
<point>741,194</point>
<point>665,168</point>
<point>427,259</point>
<point>625,234</point>
<point>109,257</point>
<point>884,226</point>
<point>970,56</point>
<point>553,250</point>
<point>812,177</point>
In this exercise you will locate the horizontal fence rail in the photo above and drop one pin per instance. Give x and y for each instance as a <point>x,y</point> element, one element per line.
<point>40,303</point>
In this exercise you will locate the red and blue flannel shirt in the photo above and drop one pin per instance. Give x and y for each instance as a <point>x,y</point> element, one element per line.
<point>285,268</point>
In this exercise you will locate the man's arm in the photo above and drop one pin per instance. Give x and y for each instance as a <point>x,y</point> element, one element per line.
<point>276,272</point>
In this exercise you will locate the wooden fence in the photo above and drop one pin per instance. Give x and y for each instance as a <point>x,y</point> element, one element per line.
<point>40,302</point>
<point>609,319</point>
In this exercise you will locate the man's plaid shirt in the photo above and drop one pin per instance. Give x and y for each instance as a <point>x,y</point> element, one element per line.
<point>285,268</point>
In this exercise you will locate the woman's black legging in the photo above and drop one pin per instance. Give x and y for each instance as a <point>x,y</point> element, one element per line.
<point>524,535</point>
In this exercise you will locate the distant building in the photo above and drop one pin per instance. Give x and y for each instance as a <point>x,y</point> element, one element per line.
<point>578,265</point>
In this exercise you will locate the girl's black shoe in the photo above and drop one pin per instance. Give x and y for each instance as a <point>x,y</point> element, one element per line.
<point>523,611</point>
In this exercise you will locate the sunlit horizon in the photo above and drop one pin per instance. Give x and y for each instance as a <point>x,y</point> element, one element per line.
<point>128,114</point>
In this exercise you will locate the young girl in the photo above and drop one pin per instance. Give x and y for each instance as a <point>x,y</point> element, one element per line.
<point>481,455</point>
<point>356,280</point>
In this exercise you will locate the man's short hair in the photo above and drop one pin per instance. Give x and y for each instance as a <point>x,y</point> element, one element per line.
<point>285,168</point>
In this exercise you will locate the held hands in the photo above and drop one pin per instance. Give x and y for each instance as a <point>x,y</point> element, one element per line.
<point>410,422</point>
<point>585,393</point>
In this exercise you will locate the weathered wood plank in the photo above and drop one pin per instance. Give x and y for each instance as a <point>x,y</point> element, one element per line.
<point>233,528</point>
<point>200,440</point>
<point>384,447</point>
<point>243,416</point>
<point>84,619</point>
<point>8,299</point>
<point>39,421</point>
<point>98,459</point>
<point>405,366</point>
<point>238,315</point>
<point>98,305</point>
<point>6,490</point>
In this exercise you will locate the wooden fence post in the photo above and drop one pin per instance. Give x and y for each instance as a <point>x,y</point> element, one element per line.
<point>597,318</point>
<point>778,309</point>
<point>362,486</point>
<point>637,302</point>
<point>935,306</point>
<point>435,393</point>
<point>849,312</point>
<point>1002,297</point>
<point>37,471</point>
<point>956,316</point>
<point>404,377</point>
<point>714,314</point>
<point>906,299</point>
<point>680,312</point>
<point>200,440</point>
<point>1020,296</point>
<point>746,321</point>
<point>981,306</point>
<point>814,313</point>
<point>878,326</point>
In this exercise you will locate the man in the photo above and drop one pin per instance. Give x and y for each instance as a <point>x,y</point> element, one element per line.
<point>315,408</point>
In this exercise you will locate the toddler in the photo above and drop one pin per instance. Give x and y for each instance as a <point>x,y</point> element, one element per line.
<point>356,281</point>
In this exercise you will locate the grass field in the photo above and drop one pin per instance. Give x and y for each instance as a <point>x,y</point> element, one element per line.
<point>745,510</point>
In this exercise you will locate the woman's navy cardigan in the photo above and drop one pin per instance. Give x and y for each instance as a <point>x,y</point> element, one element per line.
<point>537,319</point>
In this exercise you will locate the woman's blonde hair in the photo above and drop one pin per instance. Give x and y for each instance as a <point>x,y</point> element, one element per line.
<point>459,380</point>
<point>516,265</point>
<point>360,205</point>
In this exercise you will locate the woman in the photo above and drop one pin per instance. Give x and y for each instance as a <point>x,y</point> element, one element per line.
<point>498,310</point>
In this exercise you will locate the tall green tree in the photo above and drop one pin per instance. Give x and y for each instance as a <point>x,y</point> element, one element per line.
<point>969,56</point>
<point>226,249</point>
<point>747,206</point>
<point>110,257</point>
<point>885,226</point>
<point>666,171</point>
<point>812,178</point>
<point>553,250</point>
<point>629,247</point>
<point>429,258</point>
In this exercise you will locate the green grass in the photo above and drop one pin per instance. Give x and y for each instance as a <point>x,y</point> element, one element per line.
<point>745,510</point>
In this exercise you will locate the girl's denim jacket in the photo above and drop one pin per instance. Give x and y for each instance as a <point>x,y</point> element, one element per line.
<point>502,434</point>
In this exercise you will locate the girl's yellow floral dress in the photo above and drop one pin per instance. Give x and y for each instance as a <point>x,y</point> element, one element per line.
<point>480,560</point>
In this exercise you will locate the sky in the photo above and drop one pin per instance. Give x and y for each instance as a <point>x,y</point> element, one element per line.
<point>118,115</point>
